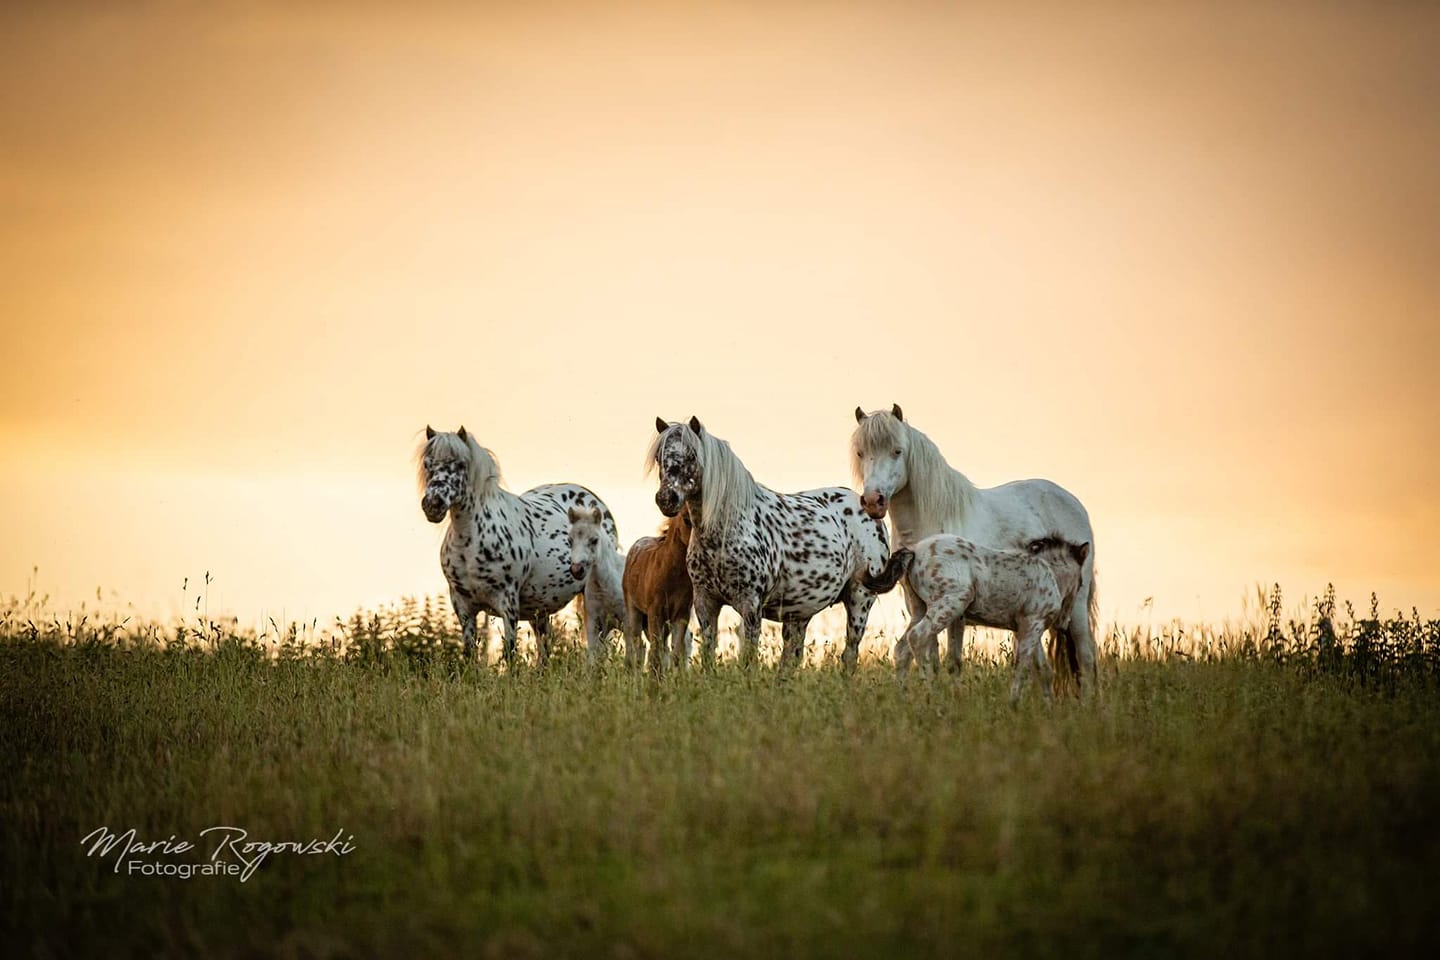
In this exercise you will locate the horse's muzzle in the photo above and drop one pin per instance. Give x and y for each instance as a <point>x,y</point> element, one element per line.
<point>875,505</point>
<point>434,509</point>
<point>668,502</point>
<point>577,570</point>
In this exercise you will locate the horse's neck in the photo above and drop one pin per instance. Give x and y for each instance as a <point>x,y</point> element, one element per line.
<point>765,498</point>
<point>905,520</point>
<point>672,547</point>
<point>610,570</point>
<point>959,512</point>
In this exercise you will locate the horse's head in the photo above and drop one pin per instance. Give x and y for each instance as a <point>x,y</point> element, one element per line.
<point>675,456</point>
<point>680,527</point>
<point>587,539</point>
<point>450,466</point>
<point>877,457</point>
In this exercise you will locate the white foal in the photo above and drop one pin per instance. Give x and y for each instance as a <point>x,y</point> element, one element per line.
<point>595,559</point>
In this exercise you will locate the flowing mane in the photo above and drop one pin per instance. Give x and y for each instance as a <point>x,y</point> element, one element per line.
<point>942,494</point>
<point>727,487</point>
<point>482,470</point>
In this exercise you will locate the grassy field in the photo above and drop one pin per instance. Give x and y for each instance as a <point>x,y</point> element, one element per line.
<point>1273,793</point>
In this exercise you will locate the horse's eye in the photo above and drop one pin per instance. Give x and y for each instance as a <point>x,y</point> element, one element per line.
<point>593,541</point>
<point>896,453</point>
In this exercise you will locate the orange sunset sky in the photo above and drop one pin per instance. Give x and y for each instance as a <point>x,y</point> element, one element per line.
<point>1183,259</point>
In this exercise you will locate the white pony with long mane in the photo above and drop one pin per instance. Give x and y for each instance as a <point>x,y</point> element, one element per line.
<point>503,554</point>
<point>768,555</point>
<point>904,476</point>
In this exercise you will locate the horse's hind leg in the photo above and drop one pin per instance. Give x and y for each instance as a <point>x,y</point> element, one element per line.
<point>955,646</point>
<point>680,643</point>
<point>540,625</point>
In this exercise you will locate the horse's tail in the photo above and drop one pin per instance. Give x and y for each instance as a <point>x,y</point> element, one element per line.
<point>1063,645</point>
<point>896,567</point>
<point>1092,616</point>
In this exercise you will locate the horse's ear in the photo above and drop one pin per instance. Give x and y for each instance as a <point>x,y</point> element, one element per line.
<point>594,514</point>
<point>462,434</point>
<point>1081,552</point>
<point>429,432</point>
<point>573,513</point>
<point>695,425</point>
<point>859,415</point>
<point>895,409</point>
<point>660,425</point>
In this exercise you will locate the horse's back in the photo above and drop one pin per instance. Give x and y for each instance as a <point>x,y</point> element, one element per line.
<point>996,585</point>
<point>550,584</point>
<point>639,560</point>
<point>1028,509</point>
<point>551,500</point>
<point>656,578</point>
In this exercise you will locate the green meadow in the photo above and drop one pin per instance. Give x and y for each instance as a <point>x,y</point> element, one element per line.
<point>1259,791</point>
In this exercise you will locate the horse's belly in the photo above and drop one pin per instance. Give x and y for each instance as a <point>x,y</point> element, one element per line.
<point>548,588</point>
<point>804,594</point>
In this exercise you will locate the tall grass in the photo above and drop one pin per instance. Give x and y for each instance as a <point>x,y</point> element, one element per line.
<point>1266,789</point>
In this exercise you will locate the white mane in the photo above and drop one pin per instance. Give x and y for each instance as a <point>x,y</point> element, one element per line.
<point>727,489</point>
<point>482,470</point>
<point>942,494</point>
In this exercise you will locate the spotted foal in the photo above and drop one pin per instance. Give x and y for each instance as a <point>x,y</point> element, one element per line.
<point>1028,591</point>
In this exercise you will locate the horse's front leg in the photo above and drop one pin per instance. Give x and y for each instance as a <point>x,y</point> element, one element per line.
<point>857,615</point>
<point>508,639</point>
<point>914,640</point>
<point>1029,656</point>
<point>594,621</point>
<point>465,613</point>
<point>792,652</point>
<point>749,611</point>
<point>635,639</point>
<point>944,611</point>
<point>634,652</point>
<point>468,634</point>
<point>707,612</point>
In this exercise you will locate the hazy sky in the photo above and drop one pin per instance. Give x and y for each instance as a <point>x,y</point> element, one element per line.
<point>1184,260</point>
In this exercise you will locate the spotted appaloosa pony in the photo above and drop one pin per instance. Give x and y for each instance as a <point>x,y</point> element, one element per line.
<point>903,474</point>
<point>503,554</point>
<point>658,595</point>
<point>595,560</point>
<point>1028,591</point>
<point>778,556</point>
